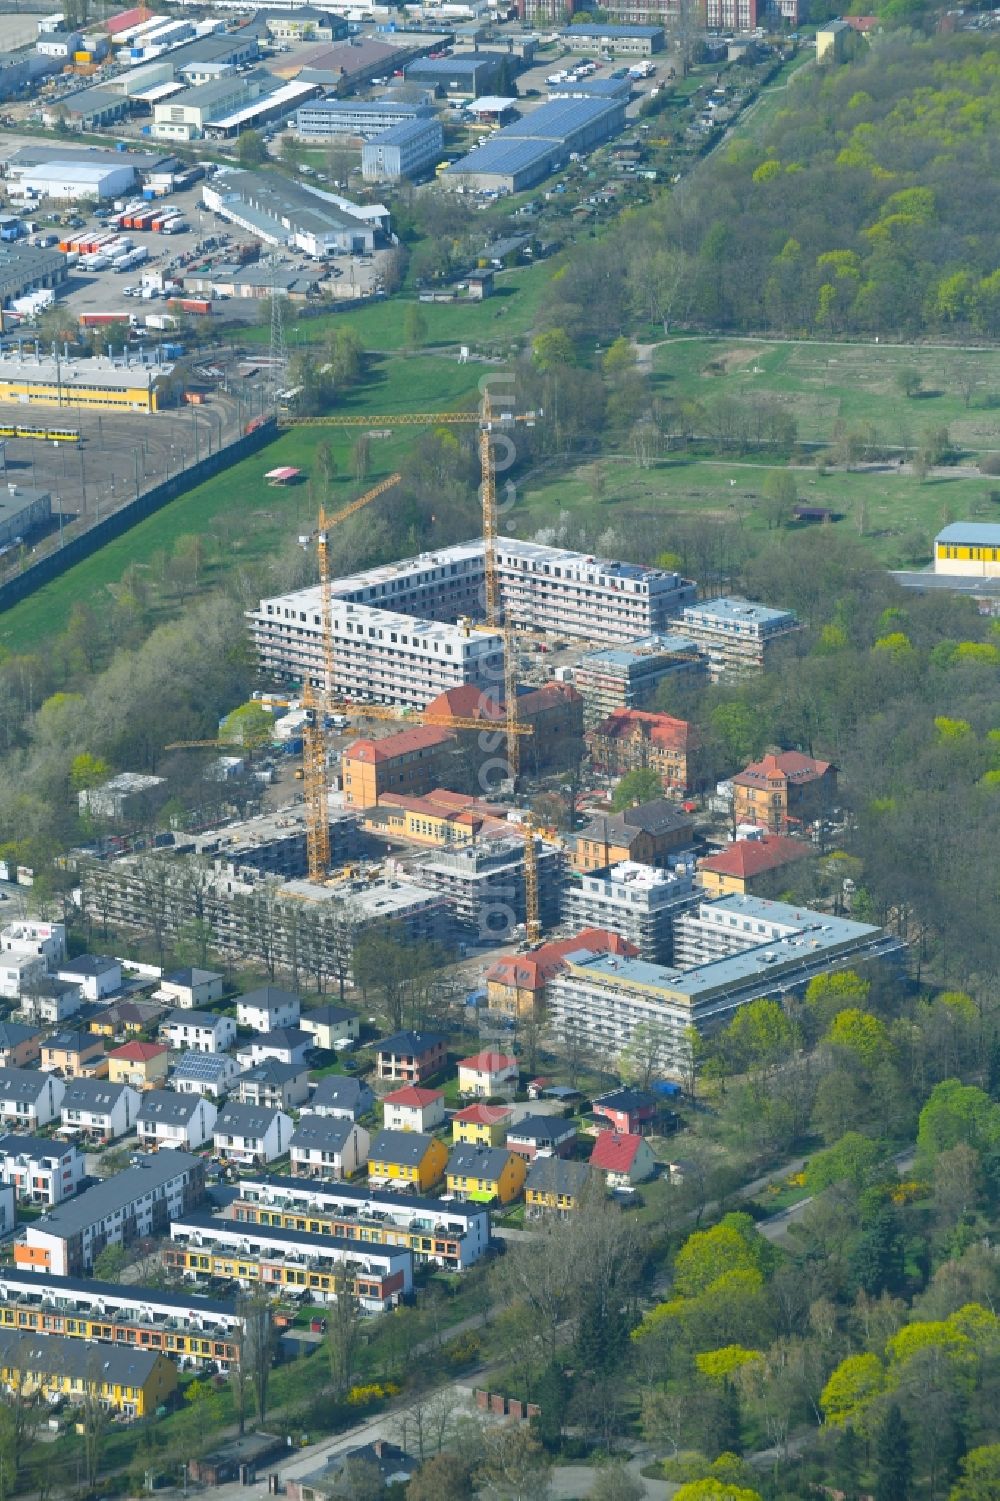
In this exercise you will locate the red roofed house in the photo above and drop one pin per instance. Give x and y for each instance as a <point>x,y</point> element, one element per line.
<point>516,983</point>
<point>141,1064</point>
<point>631,739</point>
<point>863,24</point>
<point>413,1109</point>
<point>784,791</point>
<point>752,866</point>
<point>411,762</point>
<point>624,1160</point>
<point>481,1125</point>
<point>488,1073</point>
<point>554,711</point>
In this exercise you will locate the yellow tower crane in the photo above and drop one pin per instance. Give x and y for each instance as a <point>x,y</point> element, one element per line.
<point>532,919</point>
<point>316,782</point>
<point>488,422</point>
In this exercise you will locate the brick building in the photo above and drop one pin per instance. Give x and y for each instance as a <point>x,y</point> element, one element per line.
<point>413,762</point>
<point>631,740</point>
<point>784,791</point>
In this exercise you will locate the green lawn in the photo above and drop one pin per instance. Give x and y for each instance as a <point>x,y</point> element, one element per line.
<point>896,514</point>
<point>505,316</point>
<point>823,384</point>
<point>243,518</point>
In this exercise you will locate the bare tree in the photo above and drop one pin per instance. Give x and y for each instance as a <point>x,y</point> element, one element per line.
<point>257,1345</point>
<point>343,1331</point>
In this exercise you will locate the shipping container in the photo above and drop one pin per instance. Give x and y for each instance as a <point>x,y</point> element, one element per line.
<point>97,320</point>
<point>200,305</point>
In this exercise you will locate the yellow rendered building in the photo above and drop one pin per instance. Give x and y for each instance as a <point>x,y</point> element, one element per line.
<point>481,1125</point>
<point>485,1174</point>
<point>407,1157</point>
<point>968,549</point>
<point>123,1379</point>
<point>90,384</point>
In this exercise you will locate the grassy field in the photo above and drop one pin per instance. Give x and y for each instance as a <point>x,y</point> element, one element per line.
<point>246,518</point>
<point>505,316</point>
<point>895,514</point>
<point>823,384</point>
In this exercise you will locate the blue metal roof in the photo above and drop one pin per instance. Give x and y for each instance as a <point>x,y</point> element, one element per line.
<point>503,155</point>
<point>558,118</point>
<point>971,533</point>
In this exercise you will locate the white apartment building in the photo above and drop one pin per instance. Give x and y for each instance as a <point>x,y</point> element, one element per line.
<point>267,1009</point>
<point>757,948</point>
<point>326,1148</point>
<point>198,1031</point>
<point>251,1134</point>
<point>40,1171</point>
<point>28,1098</point>
<point>635,901</point>
<point>168,1119</point>
<point>551,589</point>
<point>380,656</point>
<point>19,974</point>
<point>99,1109</point>
<point>210,1074</point>
<point>141,1201</point>
<point>46,940</point>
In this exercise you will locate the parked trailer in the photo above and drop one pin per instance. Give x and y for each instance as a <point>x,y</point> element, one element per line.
<point>199,305</point>
<point>99,320</point>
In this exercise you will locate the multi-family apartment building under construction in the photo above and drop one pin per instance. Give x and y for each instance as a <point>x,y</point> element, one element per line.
<point>401,632</point>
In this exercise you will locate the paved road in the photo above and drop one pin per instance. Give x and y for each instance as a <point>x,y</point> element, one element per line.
<point>776,1227</point>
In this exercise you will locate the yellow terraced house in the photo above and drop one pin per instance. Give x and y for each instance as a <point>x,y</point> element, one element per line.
<point>124,1380</point>
<point>482,1125</point>
<point>555,1185</point>
<point>92,384</point>
<point>486,1174</point>
<point>407,1157</point>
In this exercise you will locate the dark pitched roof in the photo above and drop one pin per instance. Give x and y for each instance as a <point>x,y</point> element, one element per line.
<point>342,1093</point>
<point>236,1119</point>
<point>556,1175</point>
<point>400,1146</point>
<point>321,1133</point>
<point>541,1128</point>
<point>273,1071</point>
<point>416,1043</point>
<point>468,1161</point>
<point>268,995</point>
<point>166,1105</point>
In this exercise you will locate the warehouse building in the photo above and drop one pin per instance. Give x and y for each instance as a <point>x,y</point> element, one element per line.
<point>345,65</point>
<point>68,180</point>
<point>591,88</point>
<point>281,212</point>
<point>20,511</point>
<point>27,268</point>
<point>408,149</point>
<point>97,384</point>
<point>621,40</point>
<point>91,109</point>
<point>379,656</point>
<point>538,144</point>
<point>766,949</point>
<point>467,75</point>
<point>22,71</point>
<point>324,120</point>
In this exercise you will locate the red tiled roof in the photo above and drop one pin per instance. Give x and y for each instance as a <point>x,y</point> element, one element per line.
<point>488,1062</point>
<point>613,1152</point>
<point>533,971</point>
<point>138,1052</point>
<point>411,1095</point>
<point>658,729</point>
<point>483,1115</point>
<point>470,702</point>
<point>420,737</point>
<point>790,766</point>
<point>751,857</point>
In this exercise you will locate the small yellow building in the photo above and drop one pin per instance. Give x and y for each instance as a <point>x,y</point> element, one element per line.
<point>141,1064</point>
<point>125,1380</point>
<point>486,1174</point>
<point>968,549</point>
<point>481,1125</point>
<point>555,1186</point>
<point>407,1158</point>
